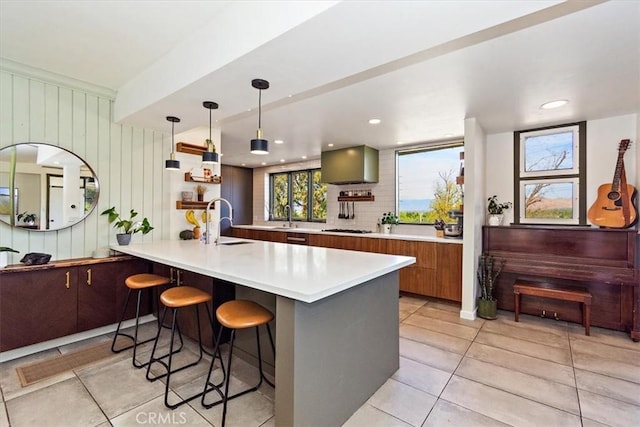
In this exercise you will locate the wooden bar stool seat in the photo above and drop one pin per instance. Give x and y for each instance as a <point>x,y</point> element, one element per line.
<point>138,282</point>
<point>175,299</point>
<point>234,315</point>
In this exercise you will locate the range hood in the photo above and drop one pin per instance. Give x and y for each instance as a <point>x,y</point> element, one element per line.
<point>354,165</point>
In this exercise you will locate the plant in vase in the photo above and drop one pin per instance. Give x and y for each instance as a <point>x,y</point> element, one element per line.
<point>388,220</point>
<point>27,218</point>
<point>128,227</point>
<point>201,189</point>
<point>3,255</point>
<point>488,272</point>
<point>496,209</point>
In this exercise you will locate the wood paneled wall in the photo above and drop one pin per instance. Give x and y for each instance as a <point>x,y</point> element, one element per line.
<point>128,161</point>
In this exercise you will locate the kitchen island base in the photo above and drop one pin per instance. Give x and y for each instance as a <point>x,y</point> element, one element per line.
<point>333,354</point>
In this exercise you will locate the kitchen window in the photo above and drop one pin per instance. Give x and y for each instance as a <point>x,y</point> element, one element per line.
<point>427,188</point>
<point>302,192</point>
<point>550,165</point>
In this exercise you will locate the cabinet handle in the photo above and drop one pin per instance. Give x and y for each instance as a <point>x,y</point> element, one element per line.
<point>89,276</point>
<point>297,239</point>
<point>68,278</point>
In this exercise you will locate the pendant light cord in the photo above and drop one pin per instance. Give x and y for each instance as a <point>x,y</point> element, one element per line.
<point>173,139</point>
<point>209,127</point>
<point>259,108</point>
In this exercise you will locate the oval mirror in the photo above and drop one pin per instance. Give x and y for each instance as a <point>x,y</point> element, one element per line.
<point>44,187</point>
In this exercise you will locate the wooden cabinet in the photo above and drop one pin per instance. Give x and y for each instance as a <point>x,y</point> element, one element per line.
<point>41,303</point>
<point>436,273</point>
<point>449,271</point>
<point>237,188</point>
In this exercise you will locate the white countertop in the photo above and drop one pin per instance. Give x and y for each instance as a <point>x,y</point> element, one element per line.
<point>417,237</point>
<point>304,273</point>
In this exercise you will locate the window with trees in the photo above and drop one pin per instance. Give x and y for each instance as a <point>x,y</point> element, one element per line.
<point>301,192</point>
<point>427,188</point>
<point>549,183</point>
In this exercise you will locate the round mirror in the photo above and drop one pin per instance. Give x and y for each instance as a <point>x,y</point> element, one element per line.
<point>44,187</point>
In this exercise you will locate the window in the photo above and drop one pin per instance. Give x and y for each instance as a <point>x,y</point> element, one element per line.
<point>427,188</point>
<point>550,169</point>
<point>302,192</point>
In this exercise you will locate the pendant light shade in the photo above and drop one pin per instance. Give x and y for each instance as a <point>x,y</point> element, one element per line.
<point>172,163</point>
<point>210,156</point>
<point>259,145</point>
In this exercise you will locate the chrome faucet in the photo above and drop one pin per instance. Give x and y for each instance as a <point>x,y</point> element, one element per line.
<point>288,209</point>
<point>230,218</point>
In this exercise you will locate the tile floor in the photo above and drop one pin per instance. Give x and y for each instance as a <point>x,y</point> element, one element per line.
<point>538,372</point>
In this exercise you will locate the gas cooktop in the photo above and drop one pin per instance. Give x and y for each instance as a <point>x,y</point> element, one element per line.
<point>346,230</point>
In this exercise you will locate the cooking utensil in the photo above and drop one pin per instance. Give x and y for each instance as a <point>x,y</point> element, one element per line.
<point>346,205</point>
<point>353,210</point>
<point>340,210</point>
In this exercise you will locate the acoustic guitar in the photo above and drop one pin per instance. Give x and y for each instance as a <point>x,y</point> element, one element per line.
<point>614,206</point>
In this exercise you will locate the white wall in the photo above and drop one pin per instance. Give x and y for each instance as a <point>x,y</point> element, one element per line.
<point>603,138</point>
<point>129,162</point>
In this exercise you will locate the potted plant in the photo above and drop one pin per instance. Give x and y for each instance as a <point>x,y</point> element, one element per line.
<point>127,226</point>
<point>488,272</point>
<point>388,219</point>
<point>3,255</point>
<point>201,189</point>
<point>496,209</point>
<point>27,218</point>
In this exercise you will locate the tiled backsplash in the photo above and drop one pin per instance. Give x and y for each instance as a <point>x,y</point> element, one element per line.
<point>367,214</point>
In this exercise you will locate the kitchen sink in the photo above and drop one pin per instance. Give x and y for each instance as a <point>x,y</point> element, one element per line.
<point>235,242</point>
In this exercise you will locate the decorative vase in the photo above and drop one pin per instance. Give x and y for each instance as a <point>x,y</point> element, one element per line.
<point>123,238</point>
<point>487,309</point>
<point>495,219</point>
<point>200,197</point>
<point>386,228</point>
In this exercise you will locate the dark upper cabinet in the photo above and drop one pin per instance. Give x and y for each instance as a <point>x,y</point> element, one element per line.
<point>237,188</point>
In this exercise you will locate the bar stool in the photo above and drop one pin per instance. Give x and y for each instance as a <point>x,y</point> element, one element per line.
<point>138,282</point>
<point>233,315</point>
<point>176,298</point>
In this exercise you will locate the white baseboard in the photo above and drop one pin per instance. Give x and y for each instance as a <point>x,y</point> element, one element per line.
<point>468,315</point>
<point>41,346</point>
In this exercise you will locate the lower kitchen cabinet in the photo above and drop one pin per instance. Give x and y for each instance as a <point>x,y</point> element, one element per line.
<point>40,303</point>
<point>436,273</point>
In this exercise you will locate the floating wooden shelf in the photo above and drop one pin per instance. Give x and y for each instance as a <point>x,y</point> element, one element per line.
<point>356,198</point>
<point>211,180</point>
<point>185,147</point>
<point>192,205</point>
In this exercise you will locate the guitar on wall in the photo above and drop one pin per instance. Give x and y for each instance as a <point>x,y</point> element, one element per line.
<point>614,206</point>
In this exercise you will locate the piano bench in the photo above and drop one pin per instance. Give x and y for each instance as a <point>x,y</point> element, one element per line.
<point>545,291</point>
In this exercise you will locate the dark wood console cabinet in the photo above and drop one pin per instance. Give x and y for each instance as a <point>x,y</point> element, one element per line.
<point>602,261</point>
<point>40,303</point>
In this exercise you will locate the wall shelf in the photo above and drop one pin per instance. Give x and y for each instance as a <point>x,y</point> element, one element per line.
<point>192,205</point>
<point>185,147</point>
<point>356,198</point>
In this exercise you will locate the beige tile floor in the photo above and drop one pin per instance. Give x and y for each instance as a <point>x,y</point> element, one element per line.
<point>537,372</point>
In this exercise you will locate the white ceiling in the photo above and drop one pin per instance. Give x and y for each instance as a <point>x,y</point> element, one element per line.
<point>421,67</point>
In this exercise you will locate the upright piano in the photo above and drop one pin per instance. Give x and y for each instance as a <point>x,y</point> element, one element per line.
<point>602,261</point>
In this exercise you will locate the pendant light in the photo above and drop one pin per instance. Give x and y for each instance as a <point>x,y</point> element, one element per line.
<point>172,163</point>
<point>259,145</point>
<point>210,156</point>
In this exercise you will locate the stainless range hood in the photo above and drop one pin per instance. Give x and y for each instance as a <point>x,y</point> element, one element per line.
<point>354,165</point>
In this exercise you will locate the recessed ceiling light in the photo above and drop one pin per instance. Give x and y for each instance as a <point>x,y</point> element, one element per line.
<point>448,135</point>
<point>243,164</point>
<point>278,141</point>
<point>290,95</point>
<point>304,157</point>
<point>554,104</point>
<point>263,163</point>
<point>281,160</point>
<point>400,142</point>
<point>329,145</point>
<point>374,121</point>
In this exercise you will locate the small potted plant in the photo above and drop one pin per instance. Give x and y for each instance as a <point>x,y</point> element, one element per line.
<point>201,189</point>
<point>488,272</point>
<point>3,255</point>
<point>388,219</point>
<point>28,218</point>
<point>496,209</point>
<point>127,226</point>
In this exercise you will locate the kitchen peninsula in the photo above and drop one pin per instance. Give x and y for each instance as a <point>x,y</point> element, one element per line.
<point>336,317</point>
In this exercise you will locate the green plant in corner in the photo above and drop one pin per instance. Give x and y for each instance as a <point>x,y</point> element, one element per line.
<point>496,208</point>
<point>488,272</point>
<point>128,226</point>
<point>389,218</point>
